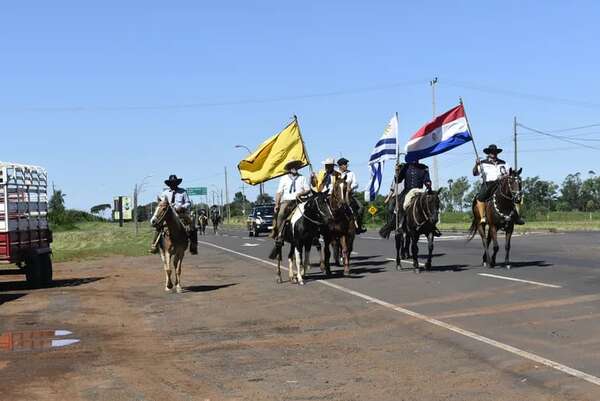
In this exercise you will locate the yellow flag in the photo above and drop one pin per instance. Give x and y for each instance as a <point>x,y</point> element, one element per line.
<point>269,160</point>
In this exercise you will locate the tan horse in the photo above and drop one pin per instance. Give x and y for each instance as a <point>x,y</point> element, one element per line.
<point>173,242</point>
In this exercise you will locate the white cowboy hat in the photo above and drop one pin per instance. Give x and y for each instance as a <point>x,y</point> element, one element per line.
<point>328,161</point>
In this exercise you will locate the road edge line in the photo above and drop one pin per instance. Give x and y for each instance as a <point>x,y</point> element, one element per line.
<point>474,336</point>
<point>520,280</point>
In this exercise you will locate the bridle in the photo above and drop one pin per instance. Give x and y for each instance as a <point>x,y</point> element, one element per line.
<point>321,213</point>
<point>512,196</point>
<point>161,218</point>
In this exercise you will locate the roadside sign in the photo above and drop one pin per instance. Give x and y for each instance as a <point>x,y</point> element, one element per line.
<point>372,210</point>
<point>197,191</point>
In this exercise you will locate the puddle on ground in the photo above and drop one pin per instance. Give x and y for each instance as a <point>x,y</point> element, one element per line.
<point>35,340</point>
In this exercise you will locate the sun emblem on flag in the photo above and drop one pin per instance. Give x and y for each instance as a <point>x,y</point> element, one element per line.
<point>435,135</point>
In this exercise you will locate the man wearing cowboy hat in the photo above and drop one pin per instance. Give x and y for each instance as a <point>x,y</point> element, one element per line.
<point>414,175</point>
<point>491,169</point>
<point>180,201</point>
<point>355,206</point>
<point>324,180</point>
<point>291,186</point>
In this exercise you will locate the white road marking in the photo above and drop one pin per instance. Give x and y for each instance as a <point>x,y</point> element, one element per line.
<point>250,244</point>
<point>406,261</point>
<point>518,279</point>
<point>353,253</point>
<point>497,344</point>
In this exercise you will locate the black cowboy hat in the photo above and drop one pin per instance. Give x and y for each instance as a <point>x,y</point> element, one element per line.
<point>342,161</point>
<point>492,149</point>
<point>297,164</point>
<point>173,180</point>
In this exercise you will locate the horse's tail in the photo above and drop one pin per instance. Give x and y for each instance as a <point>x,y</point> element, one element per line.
<point>472,229</point>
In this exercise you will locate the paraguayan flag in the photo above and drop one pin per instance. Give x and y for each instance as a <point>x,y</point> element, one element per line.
<point>385,149</point>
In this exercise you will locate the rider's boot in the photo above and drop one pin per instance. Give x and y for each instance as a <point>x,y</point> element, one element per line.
<point>437,232</point>
<point>518,219</point>
<point>481,209</point>
<point>359,227</point>
<point>154,246</point>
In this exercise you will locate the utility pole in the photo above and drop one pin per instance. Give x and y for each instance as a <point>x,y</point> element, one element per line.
<point>227,198</point>
<point>135,201</point>
<point>436,183</point>
<point>515,139</point>
<point>120,211</point>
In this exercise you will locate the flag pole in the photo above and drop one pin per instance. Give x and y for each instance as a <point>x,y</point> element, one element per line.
<point>395,184</point>
<point>472,137</point>
<point>310,168</point>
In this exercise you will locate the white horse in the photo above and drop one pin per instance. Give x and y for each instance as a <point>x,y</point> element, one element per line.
<point>172,242</point>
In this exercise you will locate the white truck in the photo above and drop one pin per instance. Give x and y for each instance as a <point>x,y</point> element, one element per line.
<point>24,233</point>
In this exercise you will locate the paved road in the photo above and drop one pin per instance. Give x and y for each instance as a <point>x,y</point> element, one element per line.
<point>448,334</point>
<point>547,304</point>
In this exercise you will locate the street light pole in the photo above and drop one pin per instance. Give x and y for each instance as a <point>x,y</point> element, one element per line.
<point>137,189</point>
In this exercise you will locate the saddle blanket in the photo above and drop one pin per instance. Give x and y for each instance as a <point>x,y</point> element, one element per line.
<point>410,197</point>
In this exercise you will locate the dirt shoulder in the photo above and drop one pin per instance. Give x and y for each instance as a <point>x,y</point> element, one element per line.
<point>236,335</point>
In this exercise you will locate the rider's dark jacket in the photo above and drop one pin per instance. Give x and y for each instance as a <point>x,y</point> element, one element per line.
<point>414,175</point>
<point>493,170</point>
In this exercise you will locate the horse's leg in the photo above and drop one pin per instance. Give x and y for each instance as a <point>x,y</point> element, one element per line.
<point>279,281</point>
<point>327,254</point>
<point>430,249</point>
<point>399,249</point>
<point>167,267</point>
<point>415,251</point>
<point>494,234</point>
<point>343,242</point>
<point>298,255</point>
<point>291,263</point>
<point>509,233</point>
<point>306,261</point>
<point>178,263</point>
<point>481,231</point>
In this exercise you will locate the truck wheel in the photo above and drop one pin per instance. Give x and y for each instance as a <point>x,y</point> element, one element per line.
<point>33,271</point>
<point>46,264</point>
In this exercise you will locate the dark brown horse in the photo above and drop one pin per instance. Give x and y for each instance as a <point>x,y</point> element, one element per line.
<point>500,215</point>
<point>340,233</point>
<point>421,217</point>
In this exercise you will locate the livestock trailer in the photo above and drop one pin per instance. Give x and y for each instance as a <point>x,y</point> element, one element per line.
<point>24,233</point>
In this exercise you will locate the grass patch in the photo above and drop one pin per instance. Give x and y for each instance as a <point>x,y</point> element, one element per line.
<point>91,240</point>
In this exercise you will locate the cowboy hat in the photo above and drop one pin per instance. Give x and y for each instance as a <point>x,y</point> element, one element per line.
<point>492,149</point>
<point>342,161</point>
<point>293,164</point>
<point>328,161</point>
<point>173,180</point>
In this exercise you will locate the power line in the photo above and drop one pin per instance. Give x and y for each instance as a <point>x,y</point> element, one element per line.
<point>239,102</point>
<point>560,138</point>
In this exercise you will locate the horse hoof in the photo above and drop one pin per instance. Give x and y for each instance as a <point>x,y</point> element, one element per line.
<point>301,283</point>
<point>167,289</point>
<point>417,271</point>
<point>278,280</point>
<point>427,266</point>
<point>507,267</point>
<point>179,289</point>
<point>398,267</point>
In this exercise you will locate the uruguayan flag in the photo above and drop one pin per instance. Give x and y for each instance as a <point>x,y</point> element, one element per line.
<point>385,149</point>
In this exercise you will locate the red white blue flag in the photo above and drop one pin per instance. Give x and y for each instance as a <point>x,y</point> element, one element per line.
<point>445,132</point>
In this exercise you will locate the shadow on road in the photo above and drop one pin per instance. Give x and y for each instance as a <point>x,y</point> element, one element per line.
<point>10,297</point>
<point>207,288</point>
<point>71,282</point>
<point>532,263</point>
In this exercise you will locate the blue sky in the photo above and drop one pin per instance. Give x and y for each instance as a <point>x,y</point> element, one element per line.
<point>103,95</point>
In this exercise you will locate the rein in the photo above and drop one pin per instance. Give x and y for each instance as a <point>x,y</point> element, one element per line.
<point>424,212</point>
<point>318,223</point>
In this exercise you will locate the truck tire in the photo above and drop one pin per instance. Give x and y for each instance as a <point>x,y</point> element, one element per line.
<point>34,271</point>
<point>46,267</point>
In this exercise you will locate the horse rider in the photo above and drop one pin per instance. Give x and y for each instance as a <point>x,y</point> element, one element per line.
<point>355,206</point>
<point>414,175</point>
<point>325,178</point>
<point>491,169</point>
<point>291,186</point>
<point>180,201</point>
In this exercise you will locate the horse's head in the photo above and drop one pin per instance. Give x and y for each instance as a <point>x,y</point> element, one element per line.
<point>161,211</point>
<point>513,184</point>
<point>432,201</point>
<point>339,193</point>
<point>318,207</point>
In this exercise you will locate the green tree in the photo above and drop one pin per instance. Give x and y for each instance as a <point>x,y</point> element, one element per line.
<point>56,207</point>
<point>539,196</point>
<point>570,193</point>
<point>457,191</point>
<point>264,199</point>
<point>590,194</point>
<point>99,208</point>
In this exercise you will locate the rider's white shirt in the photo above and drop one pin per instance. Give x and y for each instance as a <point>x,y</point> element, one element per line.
<point>290,186</point>
<point>181,198</point>
<point>351,179</point>
<point>493,171</point>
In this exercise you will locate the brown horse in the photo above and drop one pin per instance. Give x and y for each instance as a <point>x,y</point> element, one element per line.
<point>202,223</point>
<point>500,215</point>
<point>173,242</point>
<point>340,233</point>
